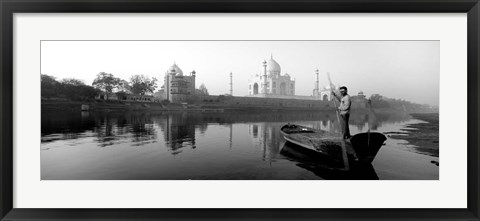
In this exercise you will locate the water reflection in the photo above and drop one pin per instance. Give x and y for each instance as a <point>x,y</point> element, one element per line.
<point>229,145</point>
<point>179,130</point>
<point>326,168</point>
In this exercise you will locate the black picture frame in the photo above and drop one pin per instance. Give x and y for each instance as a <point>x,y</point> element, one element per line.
<point>9,7</point>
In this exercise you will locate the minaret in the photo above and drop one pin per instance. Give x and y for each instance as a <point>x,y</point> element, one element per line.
<point>166,85</point>
<point>264,88</point>
<point>192,87</point>
<point>316,83</point>
<point>231,84</point>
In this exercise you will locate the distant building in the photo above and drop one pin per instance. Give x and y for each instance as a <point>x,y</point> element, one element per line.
<point>271,82</point>
<point>177,87</point>
<point>324,93</point>
<point>361,95</point>
<point>137,98</point>
<point>107,96</point>
<point>359,100</point>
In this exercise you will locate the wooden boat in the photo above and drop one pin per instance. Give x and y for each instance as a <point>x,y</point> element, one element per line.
<point>360,147</point>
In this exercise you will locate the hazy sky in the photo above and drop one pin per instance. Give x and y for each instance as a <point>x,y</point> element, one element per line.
<point>398,69</point>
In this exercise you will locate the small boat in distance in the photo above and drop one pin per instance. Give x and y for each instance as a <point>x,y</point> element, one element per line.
<point>360,147</point>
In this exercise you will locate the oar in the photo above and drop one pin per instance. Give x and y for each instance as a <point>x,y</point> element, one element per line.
<point>344,148</point>
<point>334,102</point>
<point>372,114</point>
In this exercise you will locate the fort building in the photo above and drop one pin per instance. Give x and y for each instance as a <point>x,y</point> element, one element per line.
<point>177,86</point>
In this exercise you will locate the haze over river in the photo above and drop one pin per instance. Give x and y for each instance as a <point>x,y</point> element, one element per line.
<point>212,145</point>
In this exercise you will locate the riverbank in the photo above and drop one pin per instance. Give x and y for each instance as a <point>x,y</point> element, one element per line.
<point>107,106</point>
<point>210,106</point>
<point>424,136</point>
<point>103,105</point>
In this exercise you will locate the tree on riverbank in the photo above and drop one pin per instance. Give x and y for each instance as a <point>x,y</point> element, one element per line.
<point>106,82</point>
<point>141,84</point>
<point>124,87</point>
<point>48,86</point>
<point>379,101</point>
<point>75,89</point>
<point>72,82</point>
<point>69,88</point>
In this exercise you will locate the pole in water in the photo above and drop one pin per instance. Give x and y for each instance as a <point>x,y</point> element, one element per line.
<point>368,138</point>
<point>334,102</point>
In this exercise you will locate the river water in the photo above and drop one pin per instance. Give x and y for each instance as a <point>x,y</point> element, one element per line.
<point>211,146</point>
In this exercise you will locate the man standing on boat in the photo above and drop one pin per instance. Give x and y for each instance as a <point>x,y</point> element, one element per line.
<point>344,109</point>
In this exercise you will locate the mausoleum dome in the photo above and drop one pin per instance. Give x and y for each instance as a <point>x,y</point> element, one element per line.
<point>273,66</point>
<point>175,70</point>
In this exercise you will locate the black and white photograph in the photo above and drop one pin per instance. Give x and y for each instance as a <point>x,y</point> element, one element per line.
<point>239,110</point>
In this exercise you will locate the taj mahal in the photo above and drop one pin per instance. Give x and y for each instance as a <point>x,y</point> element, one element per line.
<point>271,83</point>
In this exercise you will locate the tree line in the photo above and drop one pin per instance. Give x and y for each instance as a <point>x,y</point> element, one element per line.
<point>379,101</point>
<point>74,89</point>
